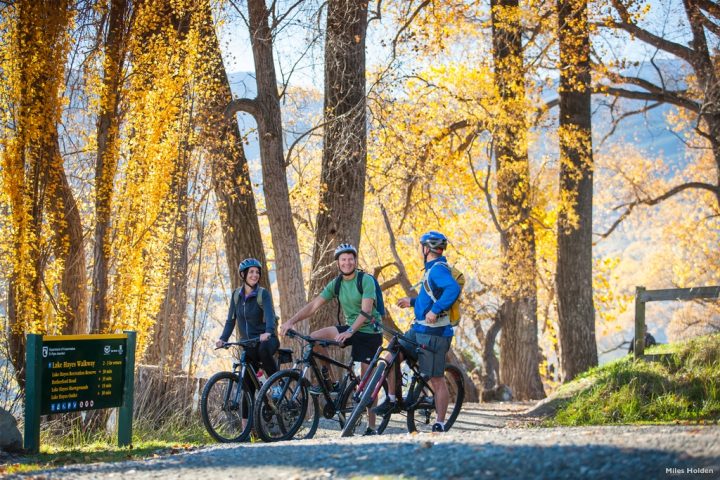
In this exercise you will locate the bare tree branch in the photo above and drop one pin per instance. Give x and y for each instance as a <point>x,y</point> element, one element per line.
<point>709,24</point>
<point>549,105</point>
<point>378,13</point>
<point>303,135</point>
<point>627,24</point>
<point>378,270</point>
<point>278,20</point>
<point>665,97</point>
<point>710,7</point>
<point>485,188</point>
<point>621,346</point>
<point>406,25</point>
<point>247,105</point>
<point>654,201</point>
<point>390,283</point>
<point>616,121</point>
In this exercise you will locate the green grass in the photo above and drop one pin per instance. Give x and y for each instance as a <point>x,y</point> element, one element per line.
<point>70,444</point>
<point>685,386</point>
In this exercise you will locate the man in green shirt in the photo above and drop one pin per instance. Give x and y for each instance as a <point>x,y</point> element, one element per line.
<point>359,309</point>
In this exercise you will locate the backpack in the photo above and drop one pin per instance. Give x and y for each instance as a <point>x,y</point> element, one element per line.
<point>379,303</point>
<point>454,313</point>
<point>260,298</point>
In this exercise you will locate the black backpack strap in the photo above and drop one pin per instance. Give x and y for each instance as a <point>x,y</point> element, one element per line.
<point>338,279</point>
<point>360,275</point>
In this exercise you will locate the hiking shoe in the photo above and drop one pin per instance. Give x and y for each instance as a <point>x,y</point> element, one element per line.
<point>437,427</point>
<point>386,407</point>
<point>318,390</point>
<point>369,432</point>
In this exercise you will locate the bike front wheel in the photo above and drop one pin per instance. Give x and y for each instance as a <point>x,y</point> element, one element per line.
<point>226,408</point>
<point>420,418</point>
<point>348,404</point>
<point>359,414</point>
<point>284,409</point>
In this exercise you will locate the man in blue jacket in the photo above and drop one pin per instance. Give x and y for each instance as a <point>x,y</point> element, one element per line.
<point>431,327</point>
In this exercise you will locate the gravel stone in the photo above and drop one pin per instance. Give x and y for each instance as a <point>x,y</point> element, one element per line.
<point>488,441</point>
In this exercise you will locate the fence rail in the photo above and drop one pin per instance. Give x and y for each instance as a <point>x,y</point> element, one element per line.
<point>642,296</point>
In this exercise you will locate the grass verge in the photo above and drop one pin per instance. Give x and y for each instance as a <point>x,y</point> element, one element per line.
<point>683,385</point>
<point>69,444</point>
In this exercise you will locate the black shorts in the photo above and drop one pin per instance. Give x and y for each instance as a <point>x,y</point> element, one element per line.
<point>364,345</point>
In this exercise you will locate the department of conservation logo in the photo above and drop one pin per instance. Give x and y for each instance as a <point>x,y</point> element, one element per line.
<point>45,352</point>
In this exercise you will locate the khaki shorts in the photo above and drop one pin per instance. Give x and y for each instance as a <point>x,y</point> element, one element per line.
<point>432,364</point>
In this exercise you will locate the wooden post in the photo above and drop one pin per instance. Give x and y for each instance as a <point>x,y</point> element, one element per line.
<point>639,346</point>
<point>125,412</point>
<point>33,384</point>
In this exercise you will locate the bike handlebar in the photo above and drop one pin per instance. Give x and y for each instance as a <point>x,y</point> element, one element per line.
<point>399,335</point>
<point>248,343</point>
<point>292,334</point>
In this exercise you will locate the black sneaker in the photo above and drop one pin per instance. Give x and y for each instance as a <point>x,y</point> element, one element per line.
<point>437,427</point>
<point>317,389</point>
<point>386,407</point>
<point>369,432</point>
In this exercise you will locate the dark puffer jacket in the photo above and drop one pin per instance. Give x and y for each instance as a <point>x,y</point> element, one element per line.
<point>252,321</point>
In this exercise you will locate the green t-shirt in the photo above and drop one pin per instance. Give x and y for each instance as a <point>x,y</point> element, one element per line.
<point>351,300</point>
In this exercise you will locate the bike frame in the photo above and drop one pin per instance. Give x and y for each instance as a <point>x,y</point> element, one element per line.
<point>241,368</point>
<point>310,363</point>
<point>394,348</point>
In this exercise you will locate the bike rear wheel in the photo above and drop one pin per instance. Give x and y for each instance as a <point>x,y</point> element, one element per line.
<point>284,409</point>
<point>421,417</point>
<point>226,408</point>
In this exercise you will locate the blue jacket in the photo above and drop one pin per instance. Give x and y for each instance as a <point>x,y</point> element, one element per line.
<point>251,319</point>
<point>444,288</point>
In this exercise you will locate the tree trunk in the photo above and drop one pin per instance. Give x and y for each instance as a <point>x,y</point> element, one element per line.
<point>576,312</point>
<point>68,242</point>
<point>491,366</point>
<point>230,171</point>
<point>704,63</point>
<point>269,120</point>
<point>519,366</point>
<point>168,340</point>
<point>34,161</point>
<point>16,337</point>
<point>167,344</point>
<point>106,161</point>
<point>342,180</point>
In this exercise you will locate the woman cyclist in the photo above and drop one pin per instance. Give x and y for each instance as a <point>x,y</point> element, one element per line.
<point>251,309</point>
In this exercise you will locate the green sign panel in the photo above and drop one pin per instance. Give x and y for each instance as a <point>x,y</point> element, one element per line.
<point>82,372</point>
<point>70,373</point>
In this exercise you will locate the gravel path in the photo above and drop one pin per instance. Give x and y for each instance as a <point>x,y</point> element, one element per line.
<point>485,443</point>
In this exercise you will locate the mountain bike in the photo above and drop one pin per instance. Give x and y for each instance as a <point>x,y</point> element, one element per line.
<point>226,402</point>
<point>419,403</point>
<point>286,409</point>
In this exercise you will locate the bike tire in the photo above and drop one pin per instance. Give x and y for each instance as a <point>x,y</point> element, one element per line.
<point>364,402</point>
<point>221,414</point>
<point>346,406</point>
<point>418,418</point>
<point>282,418</point>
